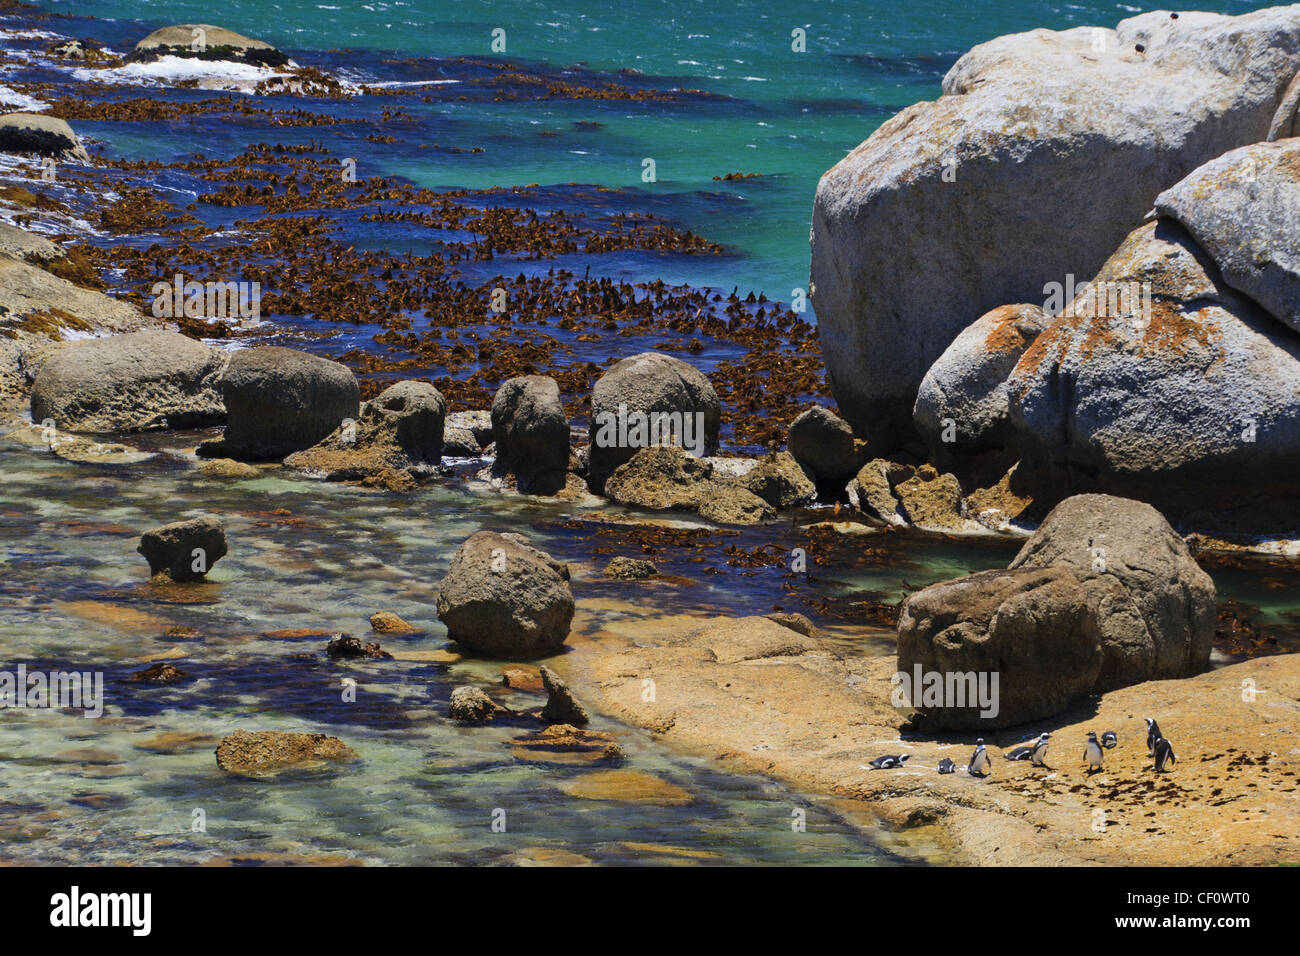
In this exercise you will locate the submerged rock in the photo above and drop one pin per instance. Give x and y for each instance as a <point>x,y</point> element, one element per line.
<point>954,207</point>
<point>184,550</point>
<point>227,468</point>
<point>626,400</point>
<point>566,744</point>
<point>504,598</point>
<point>279,401</point>
<point>531,432</point>
<point>139,381</point>
<point>561,706</point>
<point>257,753</point>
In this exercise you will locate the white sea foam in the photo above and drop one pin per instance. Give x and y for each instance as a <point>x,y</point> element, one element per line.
<point>170,70</point>
<point>13,100</point>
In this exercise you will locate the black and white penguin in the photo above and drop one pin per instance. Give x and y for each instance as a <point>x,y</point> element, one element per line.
<point>1153,734</point>
<point>1164,754</point>
<point>1110,740</point>
<point>1092,752</point>
<point>980,764</point>
<point>1026,752</point>
<point>1039,758</point>
<point>889,762</point>
<point>947,766</point>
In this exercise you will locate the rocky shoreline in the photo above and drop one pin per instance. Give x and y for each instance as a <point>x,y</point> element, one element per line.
<point>1060,424</point>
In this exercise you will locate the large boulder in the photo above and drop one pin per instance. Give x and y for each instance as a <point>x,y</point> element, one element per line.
<point>1178,383</point>
<point>206,42</point>
<point>504,598</point>
<point>134,382</point>
<point>961,406</point>
<point>280,400</point>
<point>1244,210</point>
<point>1035,631</point>
<point>531,433</point>
<point>988,194</point>
<point>34,133</point>
<point>780,481</point>
<point>650,399</point>
<point>1156,607</point>
<point>400,429</point>
<point>184,550</point>
<point>824,445</point>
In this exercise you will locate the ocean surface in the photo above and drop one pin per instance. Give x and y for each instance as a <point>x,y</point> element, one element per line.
<point>787,115</point>
<point>322,557</point>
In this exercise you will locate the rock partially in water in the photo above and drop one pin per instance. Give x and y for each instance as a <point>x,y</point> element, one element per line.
<point>523,678</point>
<point>36,134</point>
<point>780,481</point>
<point>566,744</point>
<point>531,432</point>
<point>933,502</point>
<point>504,598</point>
<point>561,706</point>
<point>262,752</point>
<point>626,400</point>
<point>139,381</point>
<point>184,550</point>
<point>823,443</point>
<point>347,646</point>
<point>279,401</point>
<point>659,478</point>
<point>386,622</point>
<point>160,673</point>
<point>471,705</point>
<point>228,468</point>
<point>204,41</point>
<point>872,491</point>
<point>725,502</point>
<point>630,569</point>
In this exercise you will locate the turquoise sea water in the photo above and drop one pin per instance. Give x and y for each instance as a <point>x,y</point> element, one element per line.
<point>785,114</point>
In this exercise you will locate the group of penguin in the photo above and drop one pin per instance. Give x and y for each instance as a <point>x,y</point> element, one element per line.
<point>1035,751</point>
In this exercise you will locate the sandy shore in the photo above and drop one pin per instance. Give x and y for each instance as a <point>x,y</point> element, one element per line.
<point>811,719</point>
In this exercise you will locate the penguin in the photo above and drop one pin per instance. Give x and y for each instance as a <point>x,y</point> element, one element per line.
<point>1164,754</point>
<point>1025,753</point>
<point>1110,740</point>
<point>980,764</point>
<point>1040,751</point>
<point>1153,734</point>
<point>1092,752</point>
<point>889,762</point>
<point>947,766</point>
